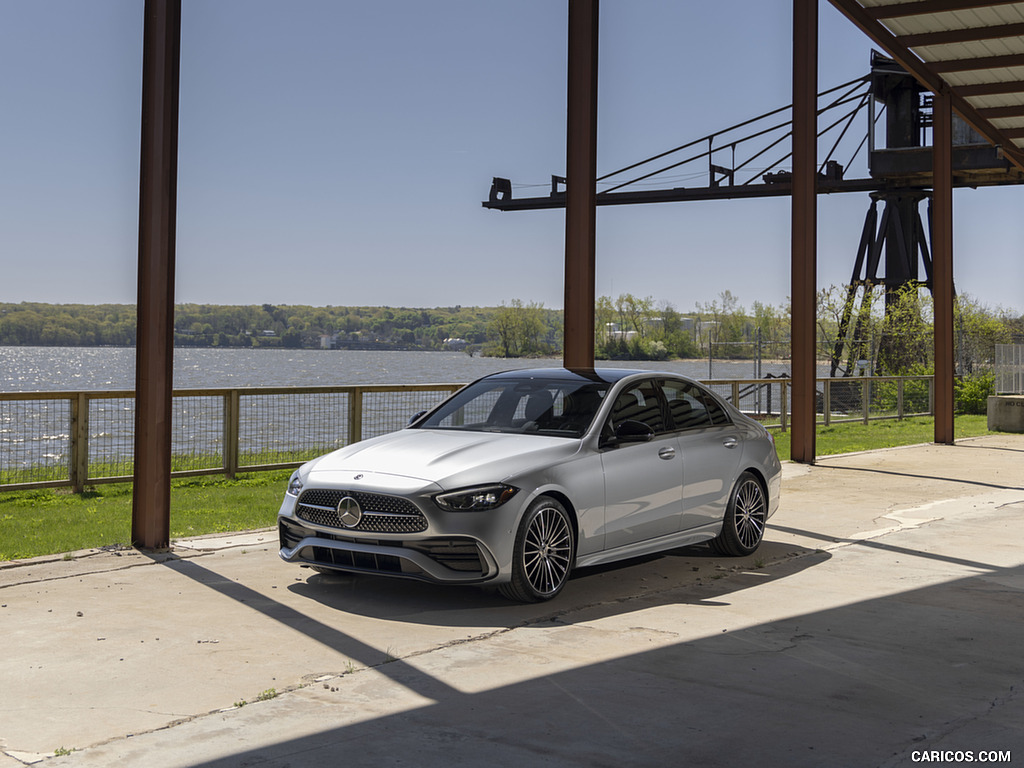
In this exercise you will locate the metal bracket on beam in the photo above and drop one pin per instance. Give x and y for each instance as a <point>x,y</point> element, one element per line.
<point>501,189</point>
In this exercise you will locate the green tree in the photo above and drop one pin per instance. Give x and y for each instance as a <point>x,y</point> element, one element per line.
<point>517,329</point>
<point>978,330</point>
<point>722,321</point>
<point>677,333</point>
<point>906,343</point>
<point>859,338</point>
<point>634,313</point>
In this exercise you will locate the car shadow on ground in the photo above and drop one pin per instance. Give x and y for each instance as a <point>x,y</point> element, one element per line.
<point>688,575</point>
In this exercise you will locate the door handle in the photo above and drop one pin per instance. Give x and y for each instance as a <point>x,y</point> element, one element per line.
<point>667,453</point>
<point>730,442</point>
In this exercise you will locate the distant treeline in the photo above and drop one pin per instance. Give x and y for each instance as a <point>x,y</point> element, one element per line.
<point>294,327</point>
<point>628,327</point>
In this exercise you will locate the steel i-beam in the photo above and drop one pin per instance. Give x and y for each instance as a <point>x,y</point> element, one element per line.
<point>942,264</point>
<point>581,185</point>
<point>155,337</point>
<point>804,223</point>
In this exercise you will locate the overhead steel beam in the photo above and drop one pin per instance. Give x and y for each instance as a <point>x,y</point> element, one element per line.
<point>995,113</point>
<point>685,194</point>
<point>968,35</point>
<point>804,229</point>
<point>919,7</point>
<point>910,164</point>
<point>942,264</point>
<point>980,62</point>
<point>991,89</point>
<point>158,174</point>
<point>581,185</point>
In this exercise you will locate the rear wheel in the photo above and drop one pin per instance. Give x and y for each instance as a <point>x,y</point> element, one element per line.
<point>745,518</point>
<point>543,553</point>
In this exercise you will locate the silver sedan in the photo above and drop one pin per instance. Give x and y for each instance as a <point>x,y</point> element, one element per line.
<point>522,476</point>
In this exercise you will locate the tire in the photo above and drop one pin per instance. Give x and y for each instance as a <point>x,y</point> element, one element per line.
<point>543,553</point>
<point>745,518</point>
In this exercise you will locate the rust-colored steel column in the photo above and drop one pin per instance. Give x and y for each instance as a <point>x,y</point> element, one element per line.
<point>942,263</point>
<point>804,223</point>
<point>581,185</point>
<point>151,501</point>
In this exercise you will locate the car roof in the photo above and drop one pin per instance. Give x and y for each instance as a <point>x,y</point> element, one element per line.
<point>606,375</point>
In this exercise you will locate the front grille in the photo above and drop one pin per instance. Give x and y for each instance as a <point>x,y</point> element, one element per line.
<point>363,561</point>
<point>381,513</point>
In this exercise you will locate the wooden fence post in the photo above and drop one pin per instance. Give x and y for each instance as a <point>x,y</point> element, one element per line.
<point>79,458</point>
<point>784,405</point>
<point>231,432</point>
<point>865,394</point>
<point>355,416</point>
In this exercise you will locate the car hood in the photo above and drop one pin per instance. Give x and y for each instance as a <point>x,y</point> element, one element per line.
<point>451,459</point>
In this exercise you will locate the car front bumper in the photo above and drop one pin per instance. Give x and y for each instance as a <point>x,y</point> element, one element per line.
<point>438,546</point>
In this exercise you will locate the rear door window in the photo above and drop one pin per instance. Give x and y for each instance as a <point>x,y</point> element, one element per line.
<point>691,407</point>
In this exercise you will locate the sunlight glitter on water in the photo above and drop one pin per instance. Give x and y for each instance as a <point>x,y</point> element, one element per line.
<point>28,369</point>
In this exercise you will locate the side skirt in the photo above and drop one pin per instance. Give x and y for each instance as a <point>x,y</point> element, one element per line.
<point>651,546</point>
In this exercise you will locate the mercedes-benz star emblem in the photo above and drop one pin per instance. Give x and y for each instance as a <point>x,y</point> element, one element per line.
<point>349,512</point>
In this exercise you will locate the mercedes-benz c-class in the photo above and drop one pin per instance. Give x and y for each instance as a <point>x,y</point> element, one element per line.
<point>522,476</point>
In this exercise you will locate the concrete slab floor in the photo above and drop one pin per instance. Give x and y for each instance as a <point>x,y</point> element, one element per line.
<point>881,617</point>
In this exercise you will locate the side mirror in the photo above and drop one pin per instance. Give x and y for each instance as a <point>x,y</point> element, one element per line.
<point>631,431</point>
<point>415,417</point>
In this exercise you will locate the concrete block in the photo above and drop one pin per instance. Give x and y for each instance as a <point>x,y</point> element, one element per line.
<point>1006,413</point>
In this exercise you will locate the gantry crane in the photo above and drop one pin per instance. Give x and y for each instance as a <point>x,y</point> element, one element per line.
<point>750,160</point>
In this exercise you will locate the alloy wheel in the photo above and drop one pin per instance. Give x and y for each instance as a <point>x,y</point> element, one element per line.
<point>547,550</point>
<point>751,513</point>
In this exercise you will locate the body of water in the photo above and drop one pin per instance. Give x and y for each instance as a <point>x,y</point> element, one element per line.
<point>35,435</point>
<point>42,369</point>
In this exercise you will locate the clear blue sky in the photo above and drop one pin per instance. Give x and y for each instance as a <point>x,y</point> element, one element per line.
<point>336,153</point>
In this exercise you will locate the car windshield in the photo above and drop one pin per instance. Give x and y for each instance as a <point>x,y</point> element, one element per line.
<point>557,407</point>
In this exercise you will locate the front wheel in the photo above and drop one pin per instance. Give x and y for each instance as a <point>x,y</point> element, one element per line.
<point>745,518</point>
<point>543,553</point>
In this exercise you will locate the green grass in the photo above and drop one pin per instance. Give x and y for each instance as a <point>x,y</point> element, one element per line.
<point>45,522</point>
<point>849,437</point>
<point>49,521</point>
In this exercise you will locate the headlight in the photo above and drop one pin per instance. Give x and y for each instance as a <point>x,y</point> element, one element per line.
<point>294,484</point>
<point>476,499</point>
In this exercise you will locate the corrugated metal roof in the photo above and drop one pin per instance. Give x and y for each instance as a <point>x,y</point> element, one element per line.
<point>974,51</point>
